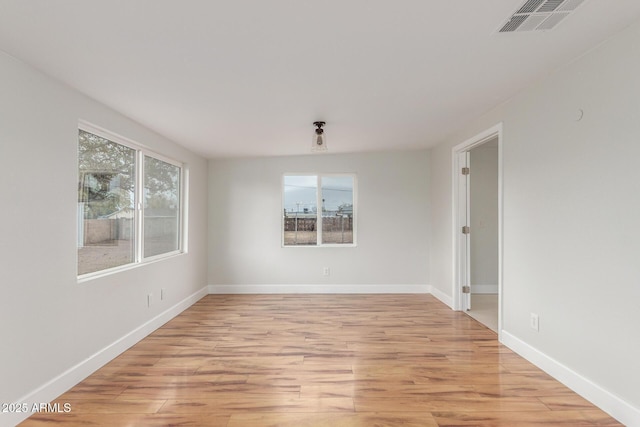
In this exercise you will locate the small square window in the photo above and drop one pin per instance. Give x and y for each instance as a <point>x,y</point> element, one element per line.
<point>318,210</point>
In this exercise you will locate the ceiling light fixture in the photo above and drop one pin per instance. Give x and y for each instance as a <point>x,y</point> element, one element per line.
<point>319,143</point>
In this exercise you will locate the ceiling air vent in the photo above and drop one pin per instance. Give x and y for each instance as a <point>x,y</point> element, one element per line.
<point>539,15</point>
<point>550,5</point>
<point>530,6</point>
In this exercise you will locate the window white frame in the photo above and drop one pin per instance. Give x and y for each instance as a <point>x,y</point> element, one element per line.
<point>141,152</point>
<point>319,177</point>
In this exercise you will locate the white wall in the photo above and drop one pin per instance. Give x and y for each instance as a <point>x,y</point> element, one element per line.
<point>245,209</point>
<point>484,217</point>
<point>49,321</point>
<point>571,230</point>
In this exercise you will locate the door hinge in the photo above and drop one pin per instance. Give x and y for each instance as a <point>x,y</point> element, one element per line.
<point>466,229</point>
<point>466,289</point>
<point>466,171</point>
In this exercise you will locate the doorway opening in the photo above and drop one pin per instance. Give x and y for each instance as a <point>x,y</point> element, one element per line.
<point>477,168</point>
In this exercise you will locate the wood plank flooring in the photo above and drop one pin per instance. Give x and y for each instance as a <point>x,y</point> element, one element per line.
<point>321,360</point>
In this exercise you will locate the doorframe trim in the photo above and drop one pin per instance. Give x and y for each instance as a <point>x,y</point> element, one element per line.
<point>479,139</point>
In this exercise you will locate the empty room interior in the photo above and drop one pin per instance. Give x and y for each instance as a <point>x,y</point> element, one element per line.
<point>295,213</point>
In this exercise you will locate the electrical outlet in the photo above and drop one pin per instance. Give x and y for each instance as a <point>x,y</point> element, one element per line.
<point>326,271</point>
<point>149,300</point>
<point>162,294</point>
<point>535,322</point>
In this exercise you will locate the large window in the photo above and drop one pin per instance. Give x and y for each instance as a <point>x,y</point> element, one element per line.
<point>318,210</point>
<point>129,203</point>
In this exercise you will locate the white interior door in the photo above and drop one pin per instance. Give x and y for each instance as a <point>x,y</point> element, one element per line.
<point>461,215</point>
<point>464,209</point>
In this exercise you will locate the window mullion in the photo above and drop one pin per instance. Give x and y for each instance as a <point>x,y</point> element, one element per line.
<point>139,205</point>
<point>319,205</point>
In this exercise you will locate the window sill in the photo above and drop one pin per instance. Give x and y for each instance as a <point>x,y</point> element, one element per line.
<point>337,245</point>
<point>114,270</point>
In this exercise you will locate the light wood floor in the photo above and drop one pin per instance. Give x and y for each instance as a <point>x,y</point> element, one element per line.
<point>322,360</point>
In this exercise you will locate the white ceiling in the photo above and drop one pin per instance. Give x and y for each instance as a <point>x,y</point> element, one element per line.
<point>249,77</point>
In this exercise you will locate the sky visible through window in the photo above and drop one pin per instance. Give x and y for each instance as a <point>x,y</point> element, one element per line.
<point>300,192</point>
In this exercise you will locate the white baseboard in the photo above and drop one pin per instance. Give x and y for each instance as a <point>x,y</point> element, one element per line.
<point>448,300</point>
<point>66,380</point>
<point>605,400</point>
<point>319,289</point>
<point>484,289</point>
